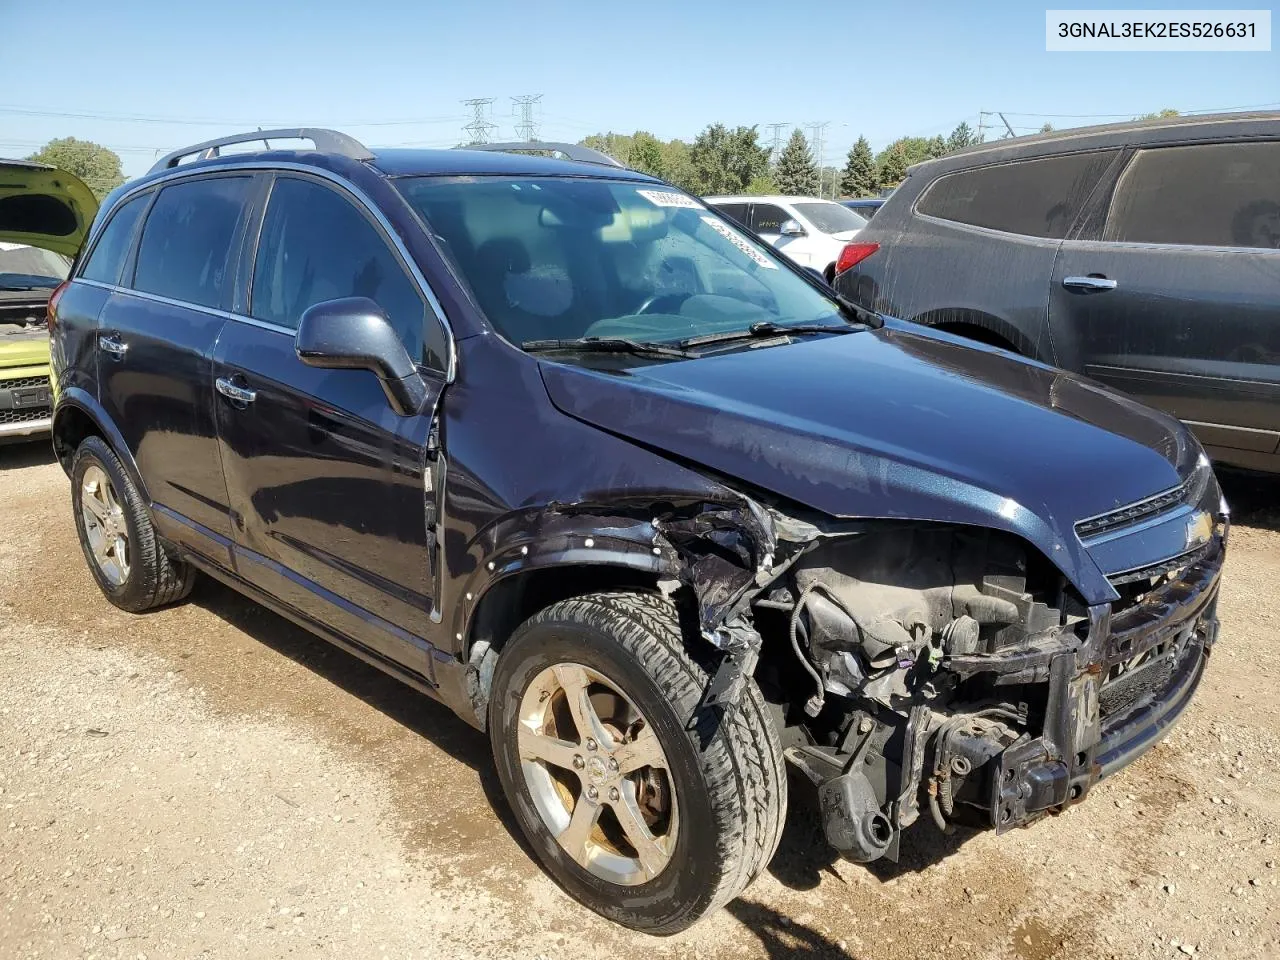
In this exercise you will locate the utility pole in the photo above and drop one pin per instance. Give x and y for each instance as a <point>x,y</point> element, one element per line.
<point>527,128</point>
<point>1006,125</point>
<point>982,122</point>
<point>815,145</point>
<point>777,129</point>
<point>480,127</point>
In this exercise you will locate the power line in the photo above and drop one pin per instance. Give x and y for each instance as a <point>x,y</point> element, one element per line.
<point>816,129</point>
<point>210,121</point>
<point>480,127</point>
<point>527,128</point>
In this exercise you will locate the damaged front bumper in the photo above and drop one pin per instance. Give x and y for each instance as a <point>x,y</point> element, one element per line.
<point>1132,674</point>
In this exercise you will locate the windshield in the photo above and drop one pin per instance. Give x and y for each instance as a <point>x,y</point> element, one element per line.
<point>830,217</point>
<point>563,258</point>
<point>23,267</point>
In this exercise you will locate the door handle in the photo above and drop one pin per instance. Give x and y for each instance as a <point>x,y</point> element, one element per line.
<point>1089,284</point>
<point>111,344</point>
<point>233,391</point>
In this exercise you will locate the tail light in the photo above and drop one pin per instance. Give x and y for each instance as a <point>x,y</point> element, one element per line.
<point>853,254</point>
<point>50,316</point>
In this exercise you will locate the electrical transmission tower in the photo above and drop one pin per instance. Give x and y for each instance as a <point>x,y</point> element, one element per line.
<point>480,127</point>
<point>816,129</point>
<point>776,129</point>
<point>527,128</point>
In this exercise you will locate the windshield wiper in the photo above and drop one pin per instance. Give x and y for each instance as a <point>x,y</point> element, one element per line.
<point>608,345</point>
<point>763,328</point>
<point>858,313</point>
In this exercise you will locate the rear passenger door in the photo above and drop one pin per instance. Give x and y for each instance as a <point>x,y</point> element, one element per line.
<point>326,482</point>
<point>1174,295</point>
<point>156,335</point>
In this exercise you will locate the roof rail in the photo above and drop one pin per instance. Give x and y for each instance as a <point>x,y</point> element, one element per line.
<point>327,141</point>
<point>571,151</point>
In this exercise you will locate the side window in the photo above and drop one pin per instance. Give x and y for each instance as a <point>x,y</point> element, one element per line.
<point>186,248</point>
<point>734,211</point>
<point>767,218</point>
<point>109,252</point>
<point>1219,195</point>
<point>316,245</point>
<point>1036,198</point>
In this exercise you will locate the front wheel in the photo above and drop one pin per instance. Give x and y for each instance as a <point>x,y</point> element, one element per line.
<point>644,821</point>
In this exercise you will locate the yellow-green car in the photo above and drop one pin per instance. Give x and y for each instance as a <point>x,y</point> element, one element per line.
<point>44,216</point>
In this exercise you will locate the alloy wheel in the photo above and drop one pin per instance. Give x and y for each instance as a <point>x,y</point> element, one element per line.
<point>597,774</point>
<point>104,525</point>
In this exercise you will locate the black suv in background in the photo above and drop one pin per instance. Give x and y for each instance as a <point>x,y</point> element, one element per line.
<point>559,445</point>
<point>1145,255</point>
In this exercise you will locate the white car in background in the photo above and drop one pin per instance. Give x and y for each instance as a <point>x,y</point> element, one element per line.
<point>812,232</point>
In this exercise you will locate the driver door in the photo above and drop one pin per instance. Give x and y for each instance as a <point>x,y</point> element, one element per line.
<point>325,481</point>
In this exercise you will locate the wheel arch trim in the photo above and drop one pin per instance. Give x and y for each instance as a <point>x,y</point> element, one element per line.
<point>76,400</point>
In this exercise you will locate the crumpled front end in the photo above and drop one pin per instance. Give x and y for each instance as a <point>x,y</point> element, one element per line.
<point>955,672</point>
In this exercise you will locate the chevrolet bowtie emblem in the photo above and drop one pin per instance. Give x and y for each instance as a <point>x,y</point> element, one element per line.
<point>1199,529</point>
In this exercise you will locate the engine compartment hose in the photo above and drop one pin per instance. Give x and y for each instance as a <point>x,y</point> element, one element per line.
<point>815,703</point>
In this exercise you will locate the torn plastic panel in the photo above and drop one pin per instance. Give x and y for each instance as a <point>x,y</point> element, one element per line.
<point>956,667</point>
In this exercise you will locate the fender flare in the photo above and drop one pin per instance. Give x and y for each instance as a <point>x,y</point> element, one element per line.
<point>547,540</point>
<point>80,400</point>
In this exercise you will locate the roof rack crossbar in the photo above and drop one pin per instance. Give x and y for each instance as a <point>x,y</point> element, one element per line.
<point>328,141</point>
<point>571,151</point>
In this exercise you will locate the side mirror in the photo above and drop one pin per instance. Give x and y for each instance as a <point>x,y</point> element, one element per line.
<point>354,334</point>
<point>791,228</point>
<point>818,275</point>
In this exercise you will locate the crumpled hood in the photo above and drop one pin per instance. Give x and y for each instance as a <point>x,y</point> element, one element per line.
<point>899,422</point>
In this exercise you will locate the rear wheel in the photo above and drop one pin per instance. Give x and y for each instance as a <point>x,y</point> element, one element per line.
<point>644,821</point>
<point>116,535</point>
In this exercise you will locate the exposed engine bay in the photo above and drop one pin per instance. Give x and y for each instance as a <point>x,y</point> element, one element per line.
<point>941,668</point>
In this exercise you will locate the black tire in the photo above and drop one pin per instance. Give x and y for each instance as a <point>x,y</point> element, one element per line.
<point>727,772</point>
<point>154,578</point>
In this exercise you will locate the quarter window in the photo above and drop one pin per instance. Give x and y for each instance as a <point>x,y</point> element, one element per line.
<point>1218,195</point>
<point>1036,198</point>
<point>109,252</point>
<point>316,246</point>
<point>768,218</point>
<point>187,240</point>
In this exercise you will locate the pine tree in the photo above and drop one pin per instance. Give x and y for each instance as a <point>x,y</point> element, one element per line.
<point>961,137</point>
<point>893,166</point>
<point>796,173</point>
<point>937,147</point>
<point>859,178</point>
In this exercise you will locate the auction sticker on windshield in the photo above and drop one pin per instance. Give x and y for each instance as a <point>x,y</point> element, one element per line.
<point>669,198</point>
<point>726,231</point>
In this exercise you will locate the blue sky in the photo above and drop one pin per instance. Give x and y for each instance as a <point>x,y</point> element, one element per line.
<point>147,76</point>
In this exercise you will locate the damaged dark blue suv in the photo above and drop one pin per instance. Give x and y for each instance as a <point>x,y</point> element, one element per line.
<point>556,444</point>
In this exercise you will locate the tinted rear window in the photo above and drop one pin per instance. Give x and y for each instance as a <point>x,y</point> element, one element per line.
<point>1036,198</point>
<point>734,211</point>
<point>185,251</point>
<point>1220,195</point>
<point>109,253</point>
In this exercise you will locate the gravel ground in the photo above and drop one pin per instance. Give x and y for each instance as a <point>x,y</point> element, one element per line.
<point>209,780</point>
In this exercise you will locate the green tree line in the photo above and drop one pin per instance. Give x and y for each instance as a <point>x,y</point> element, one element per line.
<point>733,160</point>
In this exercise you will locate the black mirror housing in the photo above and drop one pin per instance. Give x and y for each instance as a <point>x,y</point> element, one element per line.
<point>353,333</point>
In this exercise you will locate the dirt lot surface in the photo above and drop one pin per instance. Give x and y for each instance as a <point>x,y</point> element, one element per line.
<point>211,781</point>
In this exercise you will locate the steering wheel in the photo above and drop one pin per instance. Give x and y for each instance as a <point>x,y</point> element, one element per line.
<point>669,301</point>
